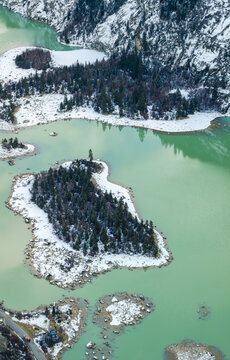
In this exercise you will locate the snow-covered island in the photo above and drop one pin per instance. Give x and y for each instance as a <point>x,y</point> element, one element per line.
<point>70,257</point>
<point>192,351</point>
<point>11,149</point>
<point>53,328</point>
<point>34,109</point>
<point>113,313</point>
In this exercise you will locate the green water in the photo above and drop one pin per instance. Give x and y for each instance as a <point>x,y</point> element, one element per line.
<point>17,31</point>
<point>181,182</point>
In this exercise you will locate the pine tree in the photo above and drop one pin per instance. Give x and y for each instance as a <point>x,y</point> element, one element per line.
<point>90,155</point>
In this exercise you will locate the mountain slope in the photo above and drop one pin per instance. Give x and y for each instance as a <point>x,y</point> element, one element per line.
<point>179,33</point>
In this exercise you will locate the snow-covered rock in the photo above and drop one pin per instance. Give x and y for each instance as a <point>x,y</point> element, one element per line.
<point>123,312</point>
<point>192,351</point>
<point>17,152</point>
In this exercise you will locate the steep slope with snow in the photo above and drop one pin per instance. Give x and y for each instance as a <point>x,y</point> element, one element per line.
<point>189,33</point>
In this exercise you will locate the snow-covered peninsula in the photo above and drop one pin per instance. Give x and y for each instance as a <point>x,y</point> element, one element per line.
<point>41,109</point>
<point>45,243</point>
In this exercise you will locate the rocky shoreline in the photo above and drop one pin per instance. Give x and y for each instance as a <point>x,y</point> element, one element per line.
<point>113,314</point>
<point>44,243</point>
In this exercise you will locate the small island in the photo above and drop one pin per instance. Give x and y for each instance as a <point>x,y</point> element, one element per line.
<point>192,351</point>
<point>89,223</point>
<point>12,148</point>
<point>113,313</point>
<point>53,328</point>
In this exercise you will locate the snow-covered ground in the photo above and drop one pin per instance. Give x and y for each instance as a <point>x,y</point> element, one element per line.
<point>116,190</point>
<point>15,153</point>
<point>82,56</point>
<point>71,313</point>
<point>123,312</point>
<point>191,351</point>
<point>45,109</point>
<point>59,58</point>
<point>48,255</point>
<point>36,319</point>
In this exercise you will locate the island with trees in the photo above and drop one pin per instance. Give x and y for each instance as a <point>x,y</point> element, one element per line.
<point>12,148</point>
<point>83,224</point>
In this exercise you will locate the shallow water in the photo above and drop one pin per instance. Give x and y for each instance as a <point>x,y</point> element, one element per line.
<point>181,182</point>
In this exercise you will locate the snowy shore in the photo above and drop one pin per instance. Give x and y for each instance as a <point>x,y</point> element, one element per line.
<point>113,313</point>
<point>44,244</point>
<point>45,109</point>
<point>16,153</point>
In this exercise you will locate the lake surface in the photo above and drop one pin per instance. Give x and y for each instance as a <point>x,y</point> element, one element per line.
<point>181,182</point>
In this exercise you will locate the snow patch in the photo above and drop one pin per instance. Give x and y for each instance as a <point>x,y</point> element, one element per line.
<point>13,73</point>
<point>123,312</point>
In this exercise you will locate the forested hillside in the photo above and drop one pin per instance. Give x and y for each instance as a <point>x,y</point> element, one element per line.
<point>192,35</point>
<point>121,85</point>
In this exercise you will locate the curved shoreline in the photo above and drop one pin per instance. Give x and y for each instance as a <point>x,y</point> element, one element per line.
<point>47,106</point>
<point>39,252</point>
<point>45,110</point>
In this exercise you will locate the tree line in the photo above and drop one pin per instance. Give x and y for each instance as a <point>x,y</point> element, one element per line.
<point>12,144</point>
<point>123,84</point>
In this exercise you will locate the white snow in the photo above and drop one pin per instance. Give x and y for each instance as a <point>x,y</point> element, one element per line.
<point>45,109</point>
<point>190,356</point>
<point>45,243</point>
<point>14,153</point>
<point>36,320</point>
<point>11,71</point>
<point>116,190</point>
<point>59,58</point>
<point>123,312</point>
<point>191,351</point>
<point>82,56</point>
<point>70,325</point>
